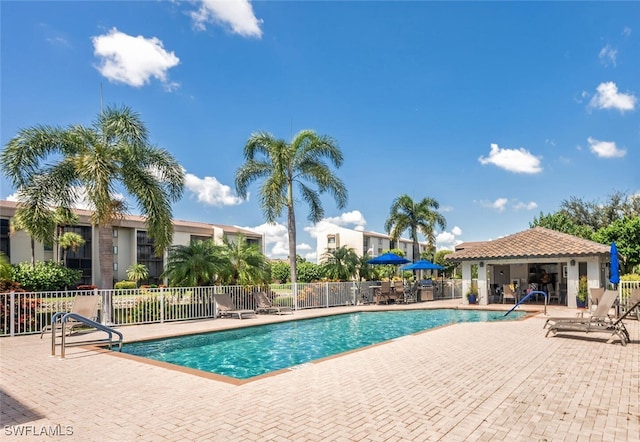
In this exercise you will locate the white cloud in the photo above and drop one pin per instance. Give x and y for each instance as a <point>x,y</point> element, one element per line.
<point>353,219</point>
<point>276,238</point>
<point>303,246</point>
<point>626,31</point>
<point>210,191</point>
<point>608,55</point>
<point>499,204</point>
<point>531,205</point>
<point>457,231</point>
<point>445,238</point>
<point>311,257</point>
<point>605,149</point>
<point>133,60</point>
<point>237,14</point>
<point>512,160</point>
<point>607,97</point>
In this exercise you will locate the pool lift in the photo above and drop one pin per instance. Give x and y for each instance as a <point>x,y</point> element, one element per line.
<point>531,293</point>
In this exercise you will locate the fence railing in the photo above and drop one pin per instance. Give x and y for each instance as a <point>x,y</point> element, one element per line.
<point>28,312</point>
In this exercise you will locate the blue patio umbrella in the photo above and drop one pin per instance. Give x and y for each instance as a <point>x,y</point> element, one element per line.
<point>388,258</point>
<point>614,265</point>
<point>423,264</point>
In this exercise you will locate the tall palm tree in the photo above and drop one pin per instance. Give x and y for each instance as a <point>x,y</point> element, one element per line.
<point>281,165</point>
<point>421,217</point>
<point>340,263</point>
<point>113,155</point>
<point>246,265</point>
<point>194,265</point>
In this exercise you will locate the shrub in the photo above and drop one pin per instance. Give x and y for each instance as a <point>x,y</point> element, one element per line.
<point>125,285</point>
<point>45,276</point>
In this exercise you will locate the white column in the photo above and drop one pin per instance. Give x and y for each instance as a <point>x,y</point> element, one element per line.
<point>572,284</point>
<point>466,280</point>
<point>483,298</point>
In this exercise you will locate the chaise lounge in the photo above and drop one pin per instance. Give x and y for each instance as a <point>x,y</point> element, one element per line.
<point>598,322</point>
<point>83,305</point>
<point>225,307</point>
<point>264,305</point>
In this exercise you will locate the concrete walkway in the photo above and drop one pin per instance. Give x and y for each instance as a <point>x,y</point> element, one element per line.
<point>466,382</point>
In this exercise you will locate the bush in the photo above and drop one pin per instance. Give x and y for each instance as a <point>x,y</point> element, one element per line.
<point>125,285</point>
<point>45,276</point>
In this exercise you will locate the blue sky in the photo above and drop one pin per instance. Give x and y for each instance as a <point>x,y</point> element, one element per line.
<point>498,110</point>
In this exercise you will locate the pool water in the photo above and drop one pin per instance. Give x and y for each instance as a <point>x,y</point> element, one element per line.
<point>252,351</point>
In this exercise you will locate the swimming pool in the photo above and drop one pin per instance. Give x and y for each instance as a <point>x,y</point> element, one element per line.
<point>252,351</point>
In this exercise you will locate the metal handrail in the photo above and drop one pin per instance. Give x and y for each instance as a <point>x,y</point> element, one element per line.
<point>64,317</point>
<point>534,292</point>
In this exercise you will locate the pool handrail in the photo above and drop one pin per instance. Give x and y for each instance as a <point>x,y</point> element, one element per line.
<point>64,317</point>
<point>528,295</point>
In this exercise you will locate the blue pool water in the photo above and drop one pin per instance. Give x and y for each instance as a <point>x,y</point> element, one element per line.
<point>251,351</point>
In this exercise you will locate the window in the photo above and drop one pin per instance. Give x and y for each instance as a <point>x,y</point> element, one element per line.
<point>115,266</point>
<point>80,259</point>
<point>145,254</point>
<point>114,233</point>
<point>115,250</point>
<point>4,237</point>
<point>199,238</point>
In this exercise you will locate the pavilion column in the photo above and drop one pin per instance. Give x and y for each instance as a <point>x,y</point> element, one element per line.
<point>483,296</point>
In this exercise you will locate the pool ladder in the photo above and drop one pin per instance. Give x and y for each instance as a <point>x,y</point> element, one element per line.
<point>64,317</point>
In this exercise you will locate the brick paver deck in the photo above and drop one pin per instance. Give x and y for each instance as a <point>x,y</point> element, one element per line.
<point>466,382</point>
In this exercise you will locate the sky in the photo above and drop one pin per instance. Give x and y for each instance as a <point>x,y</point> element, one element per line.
<point>497,110</point>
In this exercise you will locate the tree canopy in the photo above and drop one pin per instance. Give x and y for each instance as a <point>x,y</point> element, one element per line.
<point>305,163</point>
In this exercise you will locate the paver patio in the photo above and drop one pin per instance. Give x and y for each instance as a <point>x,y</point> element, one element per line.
<point>465,382</point>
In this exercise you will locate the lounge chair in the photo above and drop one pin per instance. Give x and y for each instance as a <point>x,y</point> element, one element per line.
<point>508,293</point>
<point>225,307</point>
<point>264,305</point>
<point>83,305</point>
<point>599,321</point>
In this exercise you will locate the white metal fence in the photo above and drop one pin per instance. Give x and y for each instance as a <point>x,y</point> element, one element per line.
<point>24,312</point>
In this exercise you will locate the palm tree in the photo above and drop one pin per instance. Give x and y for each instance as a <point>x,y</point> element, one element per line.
<point>421,217</point>
<point>113,155</point>
<point>281,165</point>
<point>69,240</point>
<point>340,263</point>
<point>63,217</point>
<point>246,265</point>
<point>194,265</point>
<point>137,272</point>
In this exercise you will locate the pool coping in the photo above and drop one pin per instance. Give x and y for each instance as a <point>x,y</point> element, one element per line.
<point>529,313</point>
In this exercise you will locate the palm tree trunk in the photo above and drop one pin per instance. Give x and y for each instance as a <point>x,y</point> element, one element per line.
<point>292,245</point>
<point>105,249</point>
<point>33,252</point>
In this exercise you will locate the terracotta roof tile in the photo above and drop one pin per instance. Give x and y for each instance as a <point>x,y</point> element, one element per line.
<point>537,242</point>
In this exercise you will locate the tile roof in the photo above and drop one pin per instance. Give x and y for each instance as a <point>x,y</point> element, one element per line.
<point>537,242</point>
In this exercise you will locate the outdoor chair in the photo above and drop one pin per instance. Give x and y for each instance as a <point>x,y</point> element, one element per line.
<point>382,296</point>
<point>264,305</point>
<point>83,305</point>
<point>595,295</point>
<point>599,321</point>
<point>225,307</point>
<point>508,293</point>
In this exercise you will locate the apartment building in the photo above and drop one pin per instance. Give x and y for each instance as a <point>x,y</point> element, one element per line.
<point>131,244</point>
<point>362,242</point>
